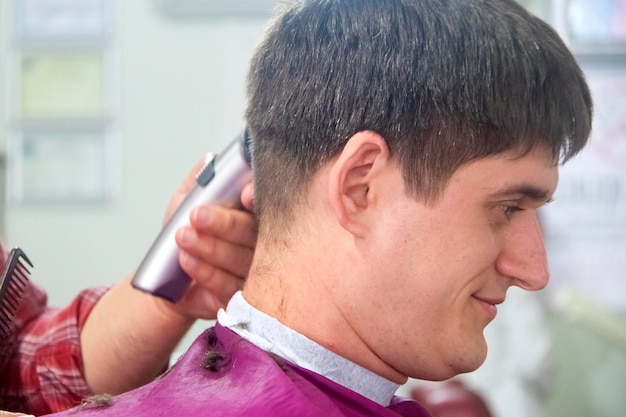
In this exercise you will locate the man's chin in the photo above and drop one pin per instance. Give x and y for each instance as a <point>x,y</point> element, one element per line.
<point>473,361</point>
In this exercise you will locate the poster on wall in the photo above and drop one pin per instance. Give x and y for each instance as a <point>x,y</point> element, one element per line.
<point>39,19</point>
<point>61,102</point>
<point>585,225</point>
<point>61,85</point>
<point>60,167</point>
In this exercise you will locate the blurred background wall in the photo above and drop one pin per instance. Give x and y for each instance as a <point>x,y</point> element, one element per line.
<point>106,104</point>
<point>166,90</point>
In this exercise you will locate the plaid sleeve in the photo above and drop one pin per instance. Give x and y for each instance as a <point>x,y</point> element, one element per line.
<point>45,372</point>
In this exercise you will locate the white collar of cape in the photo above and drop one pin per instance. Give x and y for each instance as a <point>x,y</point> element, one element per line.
<point>272,336</point>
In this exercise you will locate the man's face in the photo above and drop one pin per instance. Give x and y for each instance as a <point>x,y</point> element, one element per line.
<point>439,270</point>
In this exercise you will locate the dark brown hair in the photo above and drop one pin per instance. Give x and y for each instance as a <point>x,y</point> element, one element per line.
<point>444,82</point>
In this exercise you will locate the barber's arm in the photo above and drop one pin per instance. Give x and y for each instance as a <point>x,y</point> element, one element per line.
<point>129,336</point>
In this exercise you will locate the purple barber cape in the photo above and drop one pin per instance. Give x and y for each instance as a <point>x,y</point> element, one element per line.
<point>224,375</point>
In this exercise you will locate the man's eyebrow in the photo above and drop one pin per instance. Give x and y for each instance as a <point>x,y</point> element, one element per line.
<point>525,190</point>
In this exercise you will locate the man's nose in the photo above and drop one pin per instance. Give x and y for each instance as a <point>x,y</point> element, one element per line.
<point>523,258</point>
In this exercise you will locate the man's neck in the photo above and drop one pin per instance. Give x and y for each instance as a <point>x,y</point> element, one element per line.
<point>269,334</point>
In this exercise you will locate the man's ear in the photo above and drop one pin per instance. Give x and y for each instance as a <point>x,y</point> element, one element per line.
<point>363,158</point>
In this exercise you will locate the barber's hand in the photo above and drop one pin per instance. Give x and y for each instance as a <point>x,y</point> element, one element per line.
<point>247,197</point>
<point>216,250</point>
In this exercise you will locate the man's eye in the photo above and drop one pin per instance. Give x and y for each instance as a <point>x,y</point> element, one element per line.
<point>510,210</point>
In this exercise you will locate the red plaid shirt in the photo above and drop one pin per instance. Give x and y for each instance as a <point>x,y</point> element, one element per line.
<point>41,366</point>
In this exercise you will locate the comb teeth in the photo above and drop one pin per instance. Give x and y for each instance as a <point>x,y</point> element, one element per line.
<point>13,282</point>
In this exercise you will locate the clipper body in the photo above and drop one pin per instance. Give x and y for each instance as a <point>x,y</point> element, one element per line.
<point>219,182</point>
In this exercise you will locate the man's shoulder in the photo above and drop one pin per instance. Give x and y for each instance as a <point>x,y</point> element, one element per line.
<point>224,375</point>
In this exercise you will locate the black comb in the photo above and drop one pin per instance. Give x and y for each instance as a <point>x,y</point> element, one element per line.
<point>12,284</point>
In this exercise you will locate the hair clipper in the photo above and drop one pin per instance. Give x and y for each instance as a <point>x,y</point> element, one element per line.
<point>220,182</point>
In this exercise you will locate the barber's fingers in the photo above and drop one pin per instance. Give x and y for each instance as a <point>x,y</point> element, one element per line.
<point>232,225</point>
<point>247,196</point>
<point>215,253</point>
<point>211,288</point>
<point>219,237</point>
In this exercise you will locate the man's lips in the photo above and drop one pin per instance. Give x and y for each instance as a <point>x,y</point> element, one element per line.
<point>489,304</point>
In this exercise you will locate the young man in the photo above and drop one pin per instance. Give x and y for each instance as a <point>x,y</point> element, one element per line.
<point>110,340</point>
<point>400,149</point>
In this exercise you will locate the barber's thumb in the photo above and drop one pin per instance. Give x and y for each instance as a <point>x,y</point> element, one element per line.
<point>247,196</point>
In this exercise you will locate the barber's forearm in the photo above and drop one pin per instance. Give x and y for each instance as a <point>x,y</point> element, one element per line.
<point>128,338</point>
